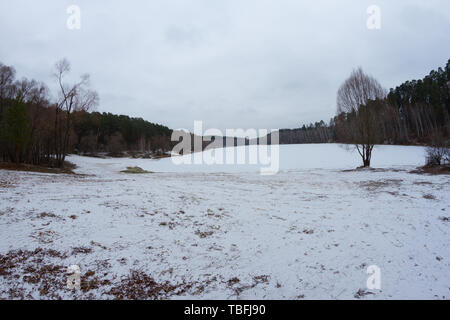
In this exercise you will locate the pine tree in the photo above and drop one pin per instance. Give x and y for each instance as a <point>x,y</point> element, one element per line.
<point>15,129</point>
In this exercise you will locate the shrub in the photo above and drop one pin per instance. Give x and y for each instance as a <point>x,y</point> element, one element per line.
<point>433,157</point>
<point>436,156</point>
<point>135,170</point>
<point>438,151</point>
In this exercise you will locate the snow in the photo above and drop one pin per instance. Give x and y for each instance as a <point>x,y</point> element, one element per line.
<point>309,231</point>
<point>292,157</point>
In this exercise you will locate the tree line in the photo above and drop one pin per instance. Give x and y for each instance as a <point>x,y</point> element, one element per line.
<point>113,134</point>
<point>319,132</point>
<point>412,113</point>
<point>39,130</point>
<point>415,112</point>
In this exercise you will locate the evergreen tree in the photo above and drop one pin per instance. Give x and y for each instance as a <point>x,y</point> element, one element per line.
<point>15,129</point>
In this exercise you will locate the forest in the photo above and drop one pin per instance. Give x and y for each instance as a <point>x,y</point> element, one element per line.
<point>35,129</point>
<point>415,112</point>
<point>105,132</point>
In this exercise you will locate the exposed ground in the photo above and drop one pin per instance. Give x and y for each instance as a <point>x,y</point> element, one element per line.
<point>301,234</point>
<point>68,168</point>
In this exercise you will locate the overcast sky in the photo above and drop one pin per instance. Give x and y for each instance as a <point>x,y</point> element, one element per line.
<point>230,63</point>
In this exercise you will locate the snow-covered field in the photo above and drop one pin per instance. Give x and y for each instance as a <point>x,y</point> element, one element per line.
<point>227,232</point>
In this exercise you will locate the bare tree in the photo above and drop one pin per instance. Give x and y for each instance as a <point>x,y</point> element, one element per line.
<point>72,97</point>
<point>36,95</point>
<point>358,100</point>
<point>7,75</point>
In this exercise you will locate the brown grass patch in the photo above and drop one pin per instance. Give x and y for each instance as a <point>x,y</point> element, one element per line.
<point>204,234</point>
<point>23,266</point>
<point>162,156</point>
<point>238,288</point>
<point>140,286</point>
<point>361,293</point>
<point>422,183</point>
<point>42,274</point>
<point>6,184</point>
<point>433,170</point>
<point>135,170</point>
<point>373,185</point>
<point>68,168</point>
<point>81,250</point>
<point>47,215</point>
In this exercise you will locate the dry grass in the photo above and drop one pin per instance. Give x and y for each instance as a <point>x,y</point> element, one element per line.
<point>433,170</point>
<point>135,170</point>
<point>422,183</point>
<point>204,234</point>
<point>373,185</point>
<point>361,293</point>
<point>235,284</point>
<point>6,184</point>
<point>27,267</point>
<point>162,156</point>
<point>47,215</point>
<point>81,250</point>
<point>139,286</point>
<point>42,274</point>
<point>68,167</point>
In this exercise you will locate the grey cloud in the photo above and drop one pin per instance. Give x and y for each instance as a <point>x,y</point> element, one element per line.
<point>234,63</point>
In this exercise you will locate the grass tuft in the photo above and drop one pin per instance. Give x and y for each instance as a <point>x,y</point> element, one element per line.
<point>135,170</point>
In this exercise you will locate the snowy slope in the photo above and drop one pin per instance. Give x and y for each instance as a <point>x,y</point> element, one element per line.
<point>214,232</point>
